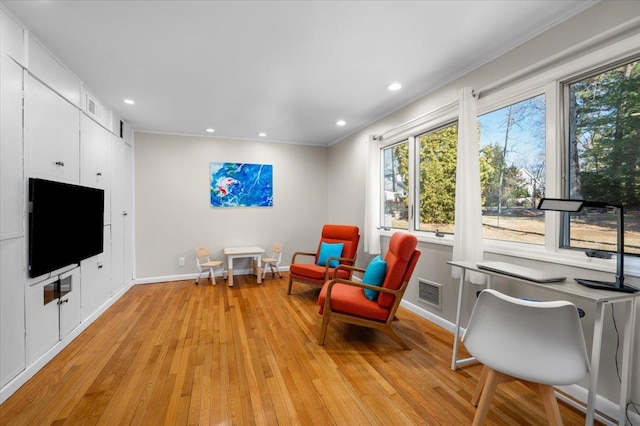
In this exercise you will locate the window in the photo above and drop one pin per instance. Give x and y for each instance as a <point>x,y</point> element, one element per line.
<point>512,171</point>
<point>437,183</point>
<point>396,185</point>
<point>603,127</point>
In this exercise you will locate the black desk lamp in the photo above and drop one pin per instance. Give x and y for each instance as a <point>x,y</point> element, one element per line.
<point>568,205</point>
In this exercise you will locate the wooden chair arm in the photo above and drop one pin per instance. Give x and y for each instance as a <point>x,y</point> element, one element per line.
<point>301,253</point>
<point>339,259</point>
<point>346,268</point>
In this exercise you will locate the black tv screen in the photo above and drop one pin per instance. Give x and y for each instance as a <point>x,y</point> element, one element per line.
<point>66,224</point>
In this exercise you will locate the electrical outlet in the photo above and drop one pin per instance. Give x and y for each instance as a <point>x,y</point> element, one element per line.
<point>181,261</point>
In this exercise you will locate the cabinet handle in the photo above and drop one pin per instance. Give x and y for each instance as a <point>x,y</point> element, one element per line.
<point>60,302</point>
<point>60,163</point>
<point>124,213</point>
<point>99,174</point>
<point>100,266</point>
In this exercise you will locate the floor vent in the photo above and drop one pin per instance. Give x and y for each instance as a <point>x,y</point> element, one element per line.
<point>429,292</point>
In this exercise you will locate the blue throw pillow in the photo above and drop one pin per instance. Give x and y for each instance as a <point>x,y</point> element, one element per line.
<point>374,275</point>
<point>330,250</point>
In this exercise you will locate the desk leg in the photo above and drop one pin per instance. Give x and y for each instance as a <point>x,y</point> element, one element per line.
<point>259,269</point>
<point>629,325</point>
<point>595,363</point>
<point>456,336</point>
<point>230,270</point>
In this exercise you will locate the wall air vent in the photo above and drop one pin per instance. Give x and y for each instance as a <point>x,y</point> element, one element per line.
<point>93,108</point>
<point>430,292</point>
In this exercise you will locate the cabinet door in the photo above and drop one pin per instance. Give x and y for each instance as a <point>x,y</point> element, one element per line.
<point>96,278</point>
<point>128,218</point>
<point>68,141</point>
<point>41,130</point>
<point>70,302</point>
<point>117,214</point>
<point>11,178</point>
<point>52,134</point>
<point>95,166</point>
<point>12,323</point>
<point>43,330</point>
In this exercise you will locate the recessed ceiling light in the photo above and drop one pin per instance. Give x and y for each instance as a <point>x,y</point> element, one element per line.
<point>394,86</point>
<point>209,130</point>
<point>262,134</point>
<point>341,123</point>
<point>129,101</point>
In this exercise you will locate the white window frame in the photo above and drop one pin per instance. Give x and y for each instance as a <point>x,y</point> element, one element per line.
<point>408,131</point>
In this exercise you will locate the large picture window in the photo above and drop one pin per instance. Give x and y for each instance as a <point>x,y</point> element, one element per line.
<point>512,171</point>
<point>604,156</point>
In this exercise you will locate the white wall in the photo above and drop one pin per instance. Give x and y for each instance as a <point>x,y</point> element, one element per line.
<point>173,214</point>
<point>347,164</point>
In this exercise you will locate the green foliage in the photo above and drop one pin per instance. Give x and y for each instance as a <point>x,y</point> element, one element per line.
<point>438,175</point>
<point>605,136</point>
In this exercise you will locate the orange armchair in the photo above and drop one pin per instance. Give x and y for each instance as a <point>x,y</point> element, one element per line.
<point>344,300</point>
<point>313,273</point>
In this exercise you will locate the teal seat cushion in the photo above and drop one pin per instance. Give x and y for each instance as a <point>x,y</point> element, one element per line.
<point>374,275</point>
<point>329,250</point>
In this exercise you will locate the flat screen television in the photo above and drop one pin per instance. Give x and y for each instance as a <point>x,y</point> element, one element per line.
<point>66,224</point>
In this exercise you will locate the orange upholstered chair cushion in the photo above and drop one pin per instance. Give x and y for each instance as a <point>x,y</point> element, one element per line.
<point>314,273</point>
<point>351,300</point>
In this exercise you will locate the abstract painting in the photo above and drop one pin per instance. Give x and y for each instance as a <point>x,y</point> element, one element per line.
<point>241,185</point>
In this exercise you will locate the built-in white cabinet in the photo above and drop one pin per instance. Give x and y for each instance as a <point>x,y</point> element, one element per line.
<point>69,302</point>
<point>121,226</point>
<point>96,278</point>
<point>52,134</point>
<point>53,312</point>
<point>52,127</point>
<point>12,310</point>
<point>11,178</point>
<point>95,164</point>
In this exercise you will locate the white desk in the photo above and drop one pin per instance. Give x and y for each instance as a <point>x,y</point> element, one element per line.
<point>254,252</point>
<point>600,298</point>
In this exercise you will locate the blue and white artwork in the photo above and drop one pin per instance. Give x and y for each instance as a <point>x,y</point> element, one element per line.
<point>241,185</point>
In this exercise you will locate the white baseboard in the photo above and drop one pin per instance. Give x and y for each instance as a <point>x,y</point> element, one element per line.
<point>192,276</point>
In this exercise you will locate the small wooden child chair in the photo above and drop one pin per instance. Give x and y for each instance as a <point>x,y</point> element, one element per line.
<point>273,261</point>
<point>205,264</point>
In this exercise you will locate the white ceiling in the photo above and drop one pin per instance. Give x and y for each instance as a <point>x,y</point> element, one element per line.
<point>290,69</point>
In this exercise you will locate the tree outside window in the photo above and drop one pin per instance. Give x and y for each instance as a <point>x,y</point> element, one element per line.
<point>512,171</point>
<point>437,184</point>
<point>604,157</point>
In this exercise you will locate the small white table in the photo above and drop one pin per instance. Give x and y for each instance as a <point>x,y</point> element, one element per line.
<point>600,298</point>
<point>253,252</point>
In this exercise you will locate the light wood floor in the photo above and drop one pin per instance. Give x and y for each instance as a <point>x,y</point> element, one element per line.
<point>177,353</point>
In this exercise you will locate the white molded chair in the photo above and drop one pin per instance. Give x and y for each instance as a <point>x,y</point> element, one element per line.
<point>205,264</point>
<point>537,343</point>
<point>272,262</point>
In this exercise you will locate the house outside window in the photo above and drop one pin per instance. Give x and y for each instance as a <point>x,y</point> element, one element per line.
<point>512,171</point>
<point>395,160</point>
